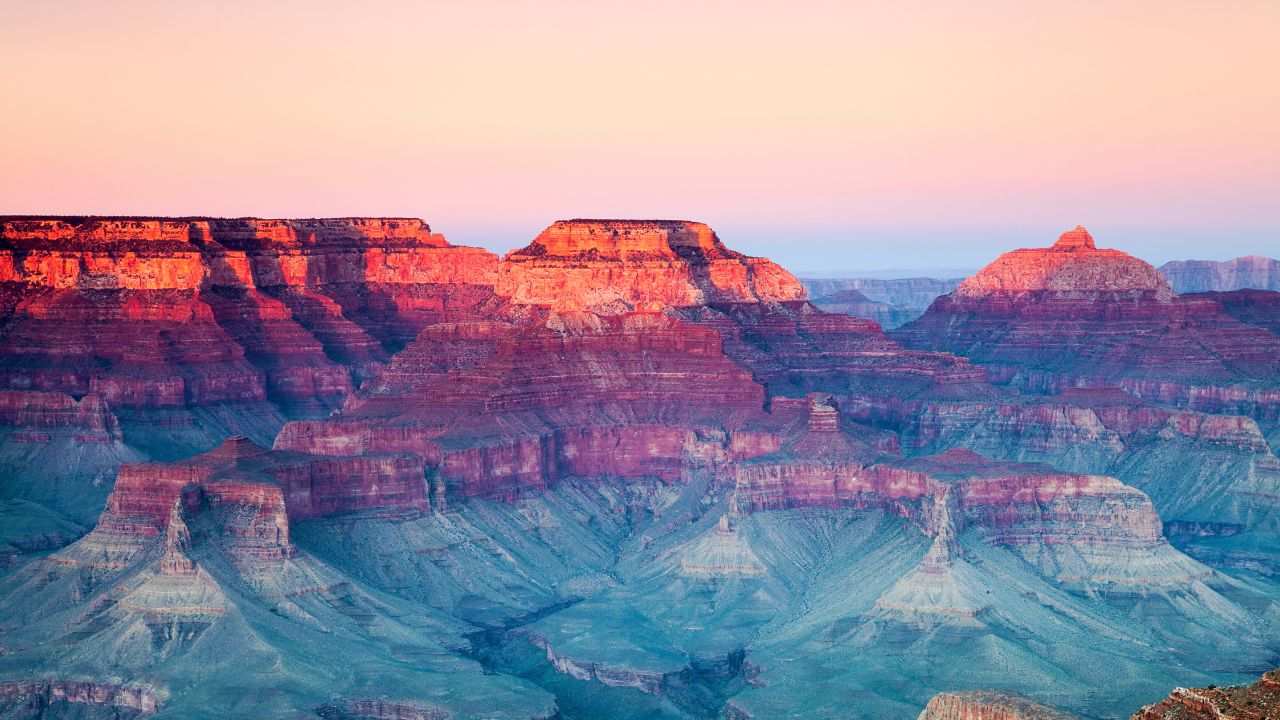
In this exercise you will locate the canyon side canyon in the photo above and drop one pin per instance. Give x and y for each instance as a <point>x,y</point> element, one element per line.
<point>343,469</point>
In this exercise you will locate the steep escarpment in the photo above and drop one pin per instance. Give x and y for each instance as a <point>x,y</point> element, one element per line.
<point>1243,273</point>
<point>179,313</point>
<point>1073,315</point>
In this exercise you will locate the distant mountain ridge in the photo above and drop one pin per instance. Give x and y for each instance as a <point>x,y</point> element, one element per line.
<point>1253,272</point>
<point>890,302</point>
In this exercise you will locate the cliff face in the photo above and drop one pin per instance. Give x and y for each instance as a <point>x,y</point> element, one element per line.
<point>59,698</point>
<point>188,312</point>
<point>1243,273</point>
<point>1076,316</point>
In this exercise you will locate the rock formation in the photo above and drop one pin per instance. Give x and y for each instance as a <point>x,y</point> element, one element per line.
<point>64,698</point>
<point>1073,315</point>
<point>156,313</point>
<point>1258,701</point>
<point>611,266</point>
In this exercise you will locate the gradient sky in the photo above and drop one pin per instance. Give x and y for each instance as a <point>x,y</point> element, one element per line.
<point>834,137</point>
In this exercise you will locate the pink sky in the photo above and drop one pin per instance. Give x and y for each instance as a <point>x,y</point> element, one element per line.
<point>827,135</point>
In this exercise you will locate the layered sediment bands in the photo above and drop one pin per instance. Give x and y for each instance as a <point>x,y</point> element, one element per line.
<point>241,473</point>
<point>1075,316</point>
<point>1196,276</point>
<point>987,705</point>
<point>48,698</point>
<point>34,416</point>
<point>1255,307</point>
<point>132,348</point>
<point>1259,701</point>
<point>156,313</point>
<point>794,348</point>
<point>516,407</point>
<point>1098,424</point>
<point>610,266</point>
<point>1031,508</point>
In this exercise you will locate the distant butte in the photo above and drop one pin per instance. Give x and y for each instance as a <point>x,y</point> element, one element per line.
<point>1072,265</point>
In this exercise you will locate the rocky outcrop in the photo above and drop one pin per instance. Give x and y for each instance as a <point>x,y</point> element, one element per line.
<point>35,415</point>
<point>1072,265</point>
<point>987,705</point>
<point>1259,701</point>
<point>1076,316</point>
<point>1242,273</point>
<point>612,266</point>
<point>50,698</point>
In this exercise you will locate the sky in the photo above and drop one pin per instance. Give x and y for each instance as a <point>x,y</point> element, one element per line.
<point>835,138</point>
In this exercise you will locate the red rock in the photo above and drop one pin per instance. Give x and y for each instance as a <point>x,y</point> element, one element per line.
<point>1260,308</point>
<point>1073,264</point>
<point>1259,701</point>
<point>611,266</point>
<point>89,418</point>
<point>1075,316</point>
<point>187,312</point>
<point>251,494</point>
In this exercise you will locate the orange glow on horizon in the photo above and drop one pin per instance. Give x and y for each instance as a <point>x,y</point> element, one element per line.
<point>484,115</point>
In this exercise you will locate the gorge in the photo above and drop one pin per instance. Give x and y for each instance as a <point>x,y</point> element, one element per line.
<point>341,468</point>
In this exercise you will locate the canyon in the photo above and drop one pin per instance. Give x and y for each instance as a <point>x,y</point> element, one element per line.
<point>341,468</point>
